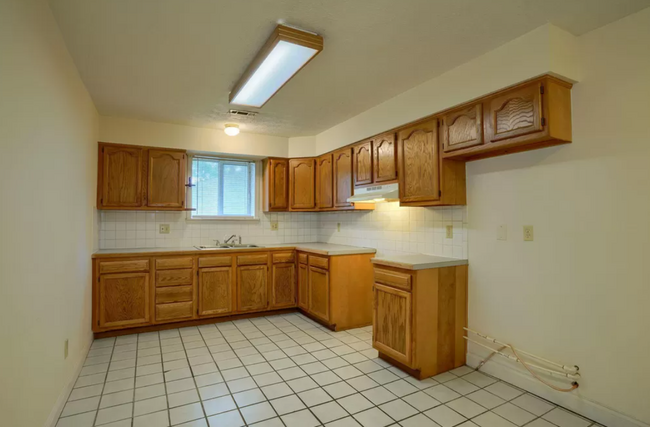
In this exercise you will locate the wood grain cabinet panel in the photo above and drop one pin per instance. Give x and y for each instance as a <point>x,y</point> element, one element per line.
<point>252,288</point>
<point>215,291</point>
<point>462,128</point>
<point>276,185</point>
<point>174,311</point>
<point>384,166</point>
<point>106,267</point>
<point>319,293</point>
<point>166,179</point>
<point>174,294</point>
<point>120,176</point>
<point>419,166</point>
<point>392,323</point>
<point>302,184</point>
<point>362,163</point>
<point>515,113</point>
<point>283,289</point>
<point>325,182</point>
<point>303,286</point>
<point>123,299</point>
<point>342,178</point>
<point>174,277</point>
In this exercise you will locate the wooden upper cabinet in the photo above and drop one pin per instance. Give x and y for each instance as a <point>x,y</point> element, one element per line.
<point>166,179</point>
<point>384,160</point>
<point>276,185</point>
<point>123,300</point>
<point>419,163</point>
<point>325,182</point>
<point>462,128</point>
<point>283,286</point>
<point>342,177</point>
<point>392,321</point>
<point>515,113</point>
<point>302,184</point>
<point>362,163</point>
<point>252,288</point>
<point>215,291</point>
<point>120,176</point>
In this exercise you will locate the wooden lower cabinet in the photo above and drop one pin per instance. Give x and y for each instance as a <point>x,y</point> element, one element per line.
<point>123,300</point>
<point>252,292</point>
<point>319,293</point>
<point>419,317</point>
<point>303,286</point>
<point>283,287</point>
<point>215,291</point>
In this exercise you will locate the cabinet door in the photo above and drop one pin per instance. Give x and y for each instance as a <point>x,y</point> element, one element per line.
<point>251,287</point>
<point>215,291</point>
<point>419,165</point>
<point>342,178</point>
<point>303,286</point>
<point>302,183</point>
<point>462,128</point>
<point>166,179</point>
<point>319,293</point>
<point>121,178</point>
<point>324,182</point>
<point>391,325</point>
<point>278,186</point>
<point>123,299</point>
<point>283,291</point>
<point>384,159</point>
<point>362,163</point>
<point>515,113</point>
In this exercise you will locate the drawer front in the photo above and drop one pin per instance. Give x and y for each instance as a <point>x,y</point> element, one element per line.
<point>393,278</point>
<point>302,258</point>
<point>174,294</point>
<point>319,262</point>
<point>123,266</point>
<point>170,263</point>
<point>174,277</point>
<point>284,257</point>
<point>215,261</point>
<point>252,259</point>
<point>174,311</point>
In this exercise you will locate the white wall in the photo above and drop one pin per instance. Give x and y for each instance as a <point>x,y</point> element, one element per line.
<point>139,132</point>
<point>48,129</point>
<point>302,146</point>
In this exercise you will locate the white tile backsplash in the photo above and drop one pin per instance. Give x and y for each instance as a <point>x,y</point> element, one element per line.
<point>390,229</point>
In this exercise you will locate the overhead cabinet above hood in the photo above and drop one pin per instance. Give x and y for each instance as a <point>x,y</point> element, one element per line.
<point>376,194</point>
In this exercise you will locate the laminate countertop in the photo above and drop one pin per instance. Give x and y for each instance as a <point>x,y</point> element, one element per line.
<point>417,261</point>
<point>316,248</point>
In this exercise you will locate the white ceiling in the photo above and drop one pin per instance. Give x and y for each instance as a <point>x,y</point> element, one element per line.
<point>176,60</point>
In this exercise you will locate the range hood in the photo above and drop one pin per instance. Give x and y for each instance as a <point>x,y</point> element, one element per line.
<point>376,194</point>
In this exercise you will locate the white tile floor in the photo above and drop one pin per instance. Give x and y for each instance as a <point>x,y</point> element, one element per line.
<point>283,370</point>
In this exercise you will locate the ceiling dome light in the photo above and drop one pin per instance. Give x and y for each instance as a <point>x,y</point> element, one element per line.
<point>232,129</point>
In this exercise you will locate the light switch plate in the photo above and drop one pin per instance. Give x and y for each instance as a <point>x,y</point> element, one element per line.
<point>502,232</point>
<point>449,232</point>
<point>274,225</point>
<point>338,227</point>
<point>163,229</point>
<point>528,233</point>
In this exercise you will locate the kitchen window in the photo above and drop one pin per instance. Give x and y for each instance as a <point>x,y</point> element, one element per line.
<point>223,188</point>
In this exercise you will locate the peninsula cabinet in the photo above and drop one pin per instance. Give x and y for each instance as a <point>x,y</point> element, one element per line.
<point>302,184</point>
<point>419,317</point>
<point>425,179</point>
<point>140,178</point>
<point>276,185</point>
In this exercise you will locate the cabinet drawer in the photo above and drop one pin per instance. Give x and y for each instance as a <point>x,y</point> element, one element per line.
<point>285,257</point>
<point>302,258</point>
<point>174,277</point>
<point>252,259</point>
<point>170,263</point>
<point>215,261</point>
<point>123,266</point>
<point>174,294</point>
<point>174,311</point>
<point>393,278</point>
<point>320,262</point>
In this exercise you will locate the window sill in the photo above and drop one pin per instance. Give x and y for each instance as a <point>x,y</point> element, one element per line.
<point>222,218</point>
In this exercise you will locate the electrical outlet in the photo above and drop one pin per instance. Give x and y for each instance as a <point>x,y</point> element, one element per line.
<point>338,227</point>
<point>274,225</point>
<point>163,229</point>
<point>65,349</point>
<point>450,231</point>
<point>528,233</point>
<point>502,232</point>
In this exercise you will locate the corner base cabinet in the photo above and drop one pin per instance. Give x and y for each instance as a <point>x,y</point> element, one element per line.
<point>418,318</point>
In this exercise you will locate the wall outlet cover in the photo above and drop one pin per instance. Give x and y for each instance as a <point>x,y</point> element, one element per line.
<point>163,229</point>
<point>449,232</point>
<point>338,227</point>
<point>502,232</point>
<point>274,225</point>
<point>528,233</point>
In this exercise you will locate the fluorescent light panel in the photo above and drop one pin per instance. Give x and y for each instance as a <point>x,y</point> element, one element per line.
<point>284,54</point>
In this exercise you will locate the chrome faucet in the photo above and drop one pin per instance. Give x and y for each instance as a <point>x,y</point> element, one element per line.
<point>230,238</point>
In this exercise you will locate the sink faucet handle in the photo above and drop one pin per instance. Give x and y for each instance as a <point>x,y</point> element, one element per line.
<point>217,242</point>
<point>239,239</point>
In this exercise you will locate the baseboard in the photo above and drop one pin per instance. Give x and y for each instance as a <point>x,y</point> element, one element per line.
<point>510,372</point>
<point>63,396</point>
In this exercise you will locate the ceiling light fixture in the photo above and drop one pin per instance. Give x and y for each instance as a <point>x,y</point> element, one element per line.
<point>282,56</point>
<point>231,129</point>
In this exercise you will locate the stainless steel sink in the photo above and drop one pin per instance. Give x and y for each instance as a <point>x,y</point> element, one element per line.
<point>239,245</point>
<point>233,246</point>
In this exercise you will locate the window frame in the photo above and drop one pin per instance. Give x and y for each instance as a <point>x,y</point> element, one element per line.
<point>257,200</point>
